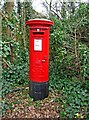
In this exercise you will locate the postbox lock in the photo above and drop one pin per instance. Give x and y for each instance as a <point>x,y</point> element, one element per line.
<point>45,57</point>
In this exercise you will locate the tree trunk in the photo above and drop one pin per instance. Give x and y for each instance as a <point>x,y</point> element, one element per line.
<point>8,10</point>
<point>77,64</point>
<point>63,10</point>
<point>23,25</point>
<point>9,7</point>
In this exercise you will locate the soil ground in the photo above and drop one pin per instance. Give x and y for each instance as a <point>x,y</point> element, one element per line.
<point>22,106</point>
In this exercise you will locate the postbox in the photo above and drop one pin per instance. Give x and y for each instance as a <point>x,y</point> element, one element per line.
<point>39,57</point>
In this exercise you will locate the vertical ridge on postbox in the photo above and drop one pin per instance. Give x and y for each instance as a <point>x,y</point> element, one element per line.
<point>39,51</point>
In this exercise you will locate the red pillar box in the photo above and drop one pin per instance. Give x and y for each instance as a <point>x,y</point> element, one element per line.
<point>39,57</point>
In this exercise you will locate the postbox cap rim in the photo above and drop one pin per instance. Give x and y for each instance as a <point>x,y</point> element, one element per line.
<point>38,21</point>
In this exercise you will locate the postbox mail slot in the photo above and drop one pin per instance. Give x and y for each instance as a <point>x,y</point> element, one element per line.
<point>38,33</point>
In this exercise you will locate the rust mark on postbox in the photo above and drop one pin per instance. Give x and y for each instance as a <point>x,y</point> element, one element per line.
<point>39,57</point>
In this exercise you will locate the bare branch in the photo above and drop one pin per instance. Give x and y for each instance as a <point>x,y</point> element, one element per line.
<point>6,63</point>
<point>52,9</point>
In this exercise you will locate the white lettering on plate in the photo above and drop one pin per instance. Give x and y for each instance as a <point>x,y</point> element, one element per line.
<point>38,44</point>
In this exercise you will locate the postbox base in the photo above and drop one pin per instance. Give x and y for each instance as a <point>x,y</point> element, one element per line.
<point>38,91</point>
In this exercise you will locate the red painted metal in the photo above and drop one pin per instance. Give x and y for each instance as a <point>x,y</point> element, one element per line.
<point>39,49</point>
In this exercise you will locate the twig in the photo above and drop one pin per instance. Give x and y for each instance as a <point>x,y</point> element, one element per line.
<point>75,45</point>
<point>50,5</point>
<point>6,63</point>
<point>7,42</point>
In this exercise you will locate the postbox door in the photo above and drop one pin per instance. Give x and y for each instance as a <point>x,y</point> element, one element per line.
<point>39,56</point>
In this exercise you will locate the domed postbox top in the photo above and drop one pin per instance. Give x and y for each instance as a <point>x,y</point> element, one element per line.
<point>39,22</point>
